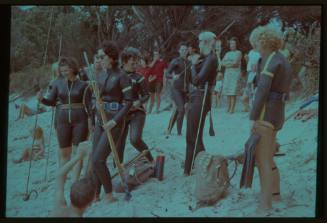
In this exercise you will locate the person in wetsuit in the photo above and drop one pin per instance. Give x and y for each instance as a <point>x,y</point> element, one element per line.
<point>135,118</point>
<point>267,115</point>
<point>116,94</point>
<point>203,71</point>
<point>71,113</point>
<point>179,71</point>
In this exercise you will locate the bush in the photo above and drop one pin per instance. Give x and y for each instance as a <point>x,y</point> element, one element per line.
<point>21,82</point>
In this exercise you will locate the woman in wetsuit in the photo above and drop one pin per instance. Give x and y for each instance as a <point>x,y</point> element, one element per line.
<point>116,95</point>
<point>135,118</point>
<point>72,110</point>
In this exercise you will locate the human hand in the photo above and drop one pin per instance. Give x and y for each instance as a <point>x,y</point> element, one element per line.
<point>137,103</point>
<point>195,59</point>
<point>220,75</point>
<point>252,126</point>
<point>109,125</point>
<point>39,96</point>
<point>84,148</point>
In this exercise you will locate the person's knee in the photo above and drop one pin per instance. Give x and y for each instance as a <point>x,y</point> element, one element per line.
<point>135,141</point>
<point>97,161</point>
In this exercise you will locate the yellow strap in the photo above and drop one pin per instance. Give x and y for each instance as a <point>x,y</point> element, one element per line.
<point>265,71</point>
<point>262,114</point>
<point>268,73</point>
<point>127,89</point>
<point>140,80</point>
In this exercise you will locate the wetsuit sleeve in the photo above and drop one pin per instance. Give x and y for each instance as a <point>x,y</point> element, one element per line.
<point>209,64</point>
<point>51,97</point>
<point>126,88</point>
<point>144,92</point>
<point>170,68</point>
<point>83,75</point>
<point>263,87</point>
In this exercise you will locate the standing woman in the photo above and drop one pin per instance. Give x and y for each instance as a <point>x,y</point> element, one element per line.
<point>274,76</point>
<point>232,63</point>
<point>116,95</point>
<point>72,110</point>
<point>135,118</point>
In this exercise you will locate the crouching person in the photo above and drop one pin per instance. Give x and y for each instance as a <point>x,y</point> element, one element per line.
<point>82,192</point>
<point>267,114</point>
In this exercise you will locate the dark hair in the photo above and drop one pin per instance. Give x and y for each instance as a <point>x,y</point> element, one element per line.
<point>147,59</point>
<point>111,49</point>
<point>234,39</point>
<point>70,62</point>
<point>129,52</point>
<point>82,192</point>
<point>182,44</point>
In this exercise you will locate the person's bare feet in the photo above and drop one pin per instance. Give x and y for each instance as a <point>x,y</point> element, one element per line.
<point>97,198</point>
<point>110,198</point>
<point>262,212</point>
<point>276,197</point>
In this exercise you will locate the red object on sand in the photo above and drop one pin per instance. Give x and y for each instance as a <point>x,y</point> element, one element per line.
<point>159,168</point>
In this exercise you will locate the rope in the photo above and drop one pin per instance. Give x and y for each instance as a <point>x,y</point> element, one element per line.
<point>200,123</point>
<point>46,46</point>
<point>27,195</point>
<point>49,143</point>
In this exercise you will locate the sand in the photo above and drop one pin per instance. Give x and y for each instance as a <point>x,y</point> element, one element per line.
<point>173,196</point>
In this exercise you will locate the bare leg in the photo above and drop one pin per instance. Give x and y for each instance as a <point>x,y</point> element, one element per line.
<point>264,157</point>
<point>245,101</point>
<point>79,165</point>
<point>229,103</point>
<point>151,102</point>
<point>64,156</point>
<point>158,101</point>
<point>233,103</point>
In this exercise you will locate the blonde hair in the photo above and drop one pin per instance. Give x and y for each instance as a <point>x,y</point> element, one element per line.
<point>268,37</point>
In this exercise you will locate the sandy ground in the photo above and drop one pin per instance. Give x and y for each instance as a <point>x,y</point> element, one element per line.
<point>173,196</point>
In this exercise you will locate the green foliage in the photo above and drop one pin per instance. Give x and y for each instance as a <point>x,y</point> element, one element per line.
<point>83,28</point>
<point>24,80</point>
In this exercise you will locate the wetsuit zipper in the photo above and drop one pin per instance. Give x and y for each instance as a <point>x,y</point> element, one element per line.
<point>70,109</point>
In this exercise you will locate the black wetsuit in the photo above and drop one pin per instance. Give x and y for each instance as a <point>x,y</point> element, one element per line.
<point>115,87</point>
<point>204,71</point>
<point>179,90</point>
<point>73,105</point>
<point>273,86</point>
<point>135,118</point>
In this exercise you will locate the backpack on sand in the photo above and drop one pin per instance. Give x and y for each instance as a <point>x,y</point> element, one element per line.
<point>211,178</point>
<point>138,173</point>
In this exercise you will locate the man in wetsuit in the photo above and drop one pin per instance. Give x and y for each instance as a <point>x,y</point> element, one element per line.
<point>203,71</point>
<point>135,118</point>
<point>179,71</point>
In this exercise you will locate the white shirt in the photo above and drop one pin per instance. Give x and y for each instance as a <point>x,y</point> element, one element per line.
<point>253,59</point>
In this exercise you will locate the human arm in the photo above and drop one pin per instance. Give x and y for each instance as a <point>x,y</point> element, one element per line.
<point>144,92</point>
<point>83,150</point>
<point>263,87</point>
<point>50,99</point>
<point>126,88</point>
<point>207,67</point>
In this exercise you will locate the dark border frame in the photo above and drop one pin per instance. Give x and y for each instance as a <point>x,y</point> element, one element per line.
<point>5,13</point>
